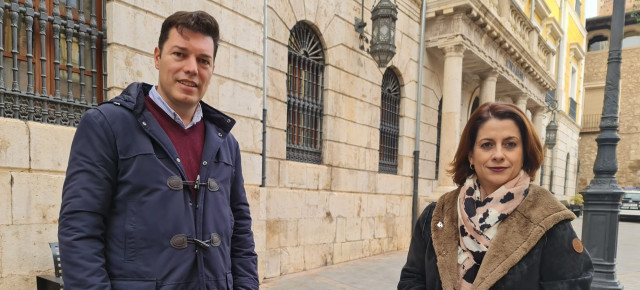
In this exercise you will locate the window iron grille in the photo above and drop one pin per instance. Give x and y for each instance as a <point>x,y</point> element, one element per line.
<point>305,78</point>
<point>572,108</point>
<point>550,98</point>
<point>65,40</point>
<point>389,123</point>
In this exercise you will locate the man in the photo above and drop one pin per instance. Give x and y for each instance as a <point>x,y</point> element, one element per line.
<point>154,196</point>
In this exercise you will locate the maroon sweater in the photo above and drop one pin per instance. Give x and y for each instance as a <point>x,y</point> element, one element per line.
<point>188,142</point>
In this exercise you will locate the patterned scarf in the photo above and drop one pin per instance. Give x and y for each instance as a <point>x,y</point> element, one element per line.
<point>478,221</point>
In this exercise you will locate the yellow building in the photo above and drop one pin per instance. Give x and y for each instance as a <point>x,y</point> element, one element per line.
<point>564,30</point>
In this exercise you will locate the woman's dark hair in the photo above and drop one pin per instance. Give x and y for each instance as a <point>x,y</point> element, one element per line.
<point>532,147</point>
<point>196,21</point>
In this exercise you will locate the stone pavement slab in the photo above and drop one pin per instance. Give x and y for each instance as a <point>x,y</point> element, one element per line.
<point>377,272</point>
<point>383,271</point>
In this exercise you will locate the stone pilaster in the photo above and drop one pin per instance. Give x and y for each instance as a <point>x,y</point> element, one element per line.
<point>452,97</point>
<point>488,86</point>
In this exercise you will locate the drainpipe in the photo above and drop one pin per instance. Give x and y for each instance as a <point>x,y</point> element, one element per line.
<point>416,153</point>
<point>264,99</point>
<point>533,11</point>
<point>560,89</point>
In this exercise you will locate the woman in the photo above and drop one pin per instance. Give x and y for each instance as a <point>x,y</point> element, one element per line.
<point>496,231</point>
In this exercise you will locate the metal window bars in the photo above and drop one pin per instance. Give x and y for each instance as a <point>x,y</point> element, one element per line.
<point>572,108</point>
<point>305,78</point>
<point>389,123</point>
<point>73,43</point>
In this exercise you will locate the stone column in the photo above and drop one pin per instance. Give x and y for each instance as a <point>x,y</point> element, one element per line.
<point>521,102</point>
<point>488,86</point>
<point>538,116</point>
<point>452,98</point>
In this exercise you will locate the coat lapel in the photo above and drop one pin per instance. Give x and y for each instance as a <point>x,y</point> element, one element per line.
<point>519,233</point>
<point>444,233</point>
<point>213,140</point>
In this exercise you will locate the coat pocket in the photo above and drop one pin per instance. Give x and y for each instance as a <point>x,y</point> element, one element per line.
<point>229,280</point>
<point>130,230</point>
<point>117,284</point>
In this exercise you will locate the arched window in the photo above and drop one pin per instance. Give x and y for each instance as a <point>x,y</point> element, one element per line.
<point>566,174</point>
<point>599,42</point>
<point>474,105</point>
<point>389,123</point>
<point>631,39</point>
<point>305,77</point>
<point>439,131</point>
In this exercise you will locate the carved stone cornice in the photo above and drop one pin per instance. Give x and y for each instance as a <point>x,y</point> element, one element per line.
<point>510,32</point>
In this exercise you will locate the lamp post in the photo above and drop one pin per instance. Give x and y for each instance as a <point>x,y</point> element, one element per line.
<point>602,196</point>
<point>383,31</point>
<point>550,140</point>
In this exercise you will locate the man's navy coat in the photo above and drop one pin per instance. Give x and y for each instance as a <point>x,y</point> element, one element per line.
<point>123,222</point>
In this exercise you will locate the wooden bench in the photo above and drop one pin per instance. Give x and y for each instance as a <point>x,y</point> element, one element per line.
<point>48,282</point>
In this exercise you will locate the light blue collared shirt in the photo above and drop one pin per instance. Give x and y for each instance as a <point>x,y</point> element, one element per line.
<point>155,96</point>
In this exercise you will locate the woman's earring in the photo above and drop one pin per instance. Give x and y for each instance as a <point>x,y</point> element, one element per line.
<point>472,167</point>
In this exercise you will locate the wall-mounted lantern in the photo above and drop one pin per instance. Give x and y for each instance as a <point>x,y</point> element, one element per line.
<point>383,32</point>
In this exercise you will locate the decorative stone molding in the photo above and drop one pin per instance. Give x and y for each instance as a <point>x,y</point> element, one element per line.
<point>577,51</point>
<point>454,50</point>
<point>542,9</point>
<point>553,28</point>
<point>511,37</point>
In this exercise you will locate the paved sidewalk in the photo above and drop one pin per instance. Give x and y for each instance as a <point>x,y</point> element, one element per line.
<point>383,271</point>
<point>377,272</point>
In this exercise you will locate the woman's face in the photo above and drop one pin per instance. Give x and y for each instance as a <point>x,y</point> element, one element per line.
<point>497,154</point>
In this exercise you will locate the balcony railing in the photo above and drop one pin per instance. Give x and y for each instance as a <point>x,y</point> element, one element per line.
<point>591,123</point>
<point>33,42</point>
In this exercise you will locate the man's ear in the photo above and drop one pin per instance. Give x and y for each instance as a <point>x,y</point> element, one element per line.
<point>156,57</point>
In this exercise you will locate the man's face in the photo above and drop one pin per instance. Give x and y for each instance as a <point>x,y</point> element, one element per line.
<point>185,66</point>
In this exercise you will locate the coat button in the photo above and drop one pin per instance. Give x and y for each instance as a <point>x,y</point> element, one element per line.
<point>215,240</point>
<point>228,120</point>
<point>178,159</point>
<point>220,135</point>
<point>212,184</point>
<point>144,123</point>
<point>204,163</point>
<point>175,182</point>
<point>179,242</point>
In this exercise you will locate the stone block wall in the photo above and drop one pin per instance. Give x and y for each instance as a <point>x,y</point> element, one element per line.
<point>628,155</point>
<point>307,216</point>
<point>342,209</point>
<point>33,159</point>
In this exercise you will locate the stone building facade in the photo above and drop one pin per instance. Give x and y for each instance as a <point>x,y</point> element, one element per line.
<point>567,35</point>
<point>628,155</point>
<point>340,207</point>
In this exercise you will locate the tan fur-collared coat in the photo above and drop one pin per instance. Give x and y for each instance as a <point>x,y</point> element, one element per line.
<point>535,248</point>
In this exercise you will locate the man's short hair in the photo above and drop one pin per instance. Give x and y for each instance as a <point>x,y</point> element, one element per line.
<point>196,21</point>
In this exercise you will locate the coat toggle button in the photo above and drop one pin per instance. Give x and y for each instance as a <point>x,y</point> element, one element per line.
<point>175,182</point>
<point>213,184</point>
